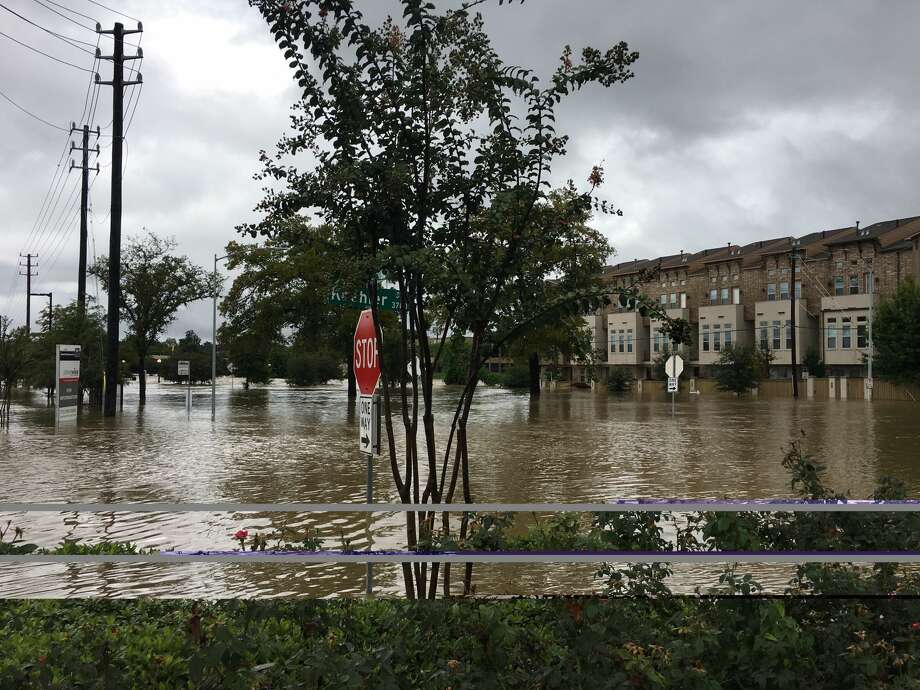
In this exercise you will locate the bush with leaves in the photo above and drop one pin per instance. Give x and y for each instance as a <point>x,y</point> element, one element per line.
<point>740,368</point>
<point>619,380</point>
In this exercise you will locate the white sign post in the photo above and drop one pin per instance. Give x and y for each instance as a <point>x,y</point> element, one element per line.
<point>185,369</point>
<point>674,367</point>
<point>67,382</point>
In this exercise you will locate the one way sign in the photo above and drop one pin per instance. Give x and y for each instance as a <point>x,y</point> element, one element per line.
<point>369,427</point>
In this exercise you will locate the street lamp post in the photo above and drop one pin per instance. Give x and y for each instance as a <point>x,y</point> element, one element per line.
<point>214,342</point>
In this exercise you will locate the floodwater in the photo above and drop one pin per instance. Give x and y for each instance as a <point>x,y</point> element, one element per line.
<point>277,444</point>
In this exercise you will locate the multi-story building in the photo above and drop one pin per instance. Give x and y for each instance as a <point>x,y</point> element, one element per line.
<point>746,294</point>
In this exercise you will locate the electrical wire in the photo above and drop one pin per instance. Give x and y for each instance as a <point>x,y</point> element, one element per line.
<point>67,39</point>
<point>33,115</point>
<point>53,227</point>
<point>128,16</point>
<point>48,193</point>
<point>67,9</point>
<point>47,55</point>
<point>69,19</point>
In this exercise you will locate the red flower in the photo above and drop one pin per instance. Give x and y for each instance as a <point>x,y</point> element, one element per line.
<point>241,534</point>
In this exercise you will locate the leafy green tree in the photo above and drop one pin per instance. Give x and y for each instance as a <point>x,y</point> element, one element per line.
<point>15,357</point>
<point>310,368</point>
<point>896,334</point>
<point>71,327</point>
<point>814,364</point>
<point>740,368</point>
<point>154,284</point>
<point>619,380</point>
<point>428,157</point>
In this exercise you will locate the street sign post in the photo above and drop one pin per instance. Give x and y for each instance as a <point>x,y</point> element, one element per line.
<point>67,382</point>
<point>185,369</point>
<point>367,375</point>
<point>673,367</point>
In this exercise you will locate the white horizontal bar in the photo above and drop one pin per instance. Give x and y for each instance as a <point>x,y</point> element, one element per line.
<point>480,557</point>
<point>618,506</point>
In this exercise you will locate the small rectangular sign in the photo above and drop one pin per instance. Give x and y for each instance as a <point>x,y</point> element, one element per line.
<point>366,423</point>
<point>387,298</point>
<point>184,367</point>
<point>67,381</point>
<point>672,384</point>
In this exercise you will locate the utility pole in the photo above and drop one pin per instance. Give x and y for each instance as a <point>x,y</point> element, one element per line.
<point>29,275</point>
<point>118,85</point>
<point>793,259</point>
<point>84,201</point>
<point>214,342</point>
<point>49,295</point>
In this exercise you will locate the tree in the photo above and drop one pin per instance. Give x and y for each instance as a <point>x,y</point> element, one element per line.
<point>154,284</point>
<point>15,355</point>
<point>426,174</point>
<point>814,364</point>
<point>741,367</point>
<point>311,368</point>
<point>896,334</point>
<point>72,326</point>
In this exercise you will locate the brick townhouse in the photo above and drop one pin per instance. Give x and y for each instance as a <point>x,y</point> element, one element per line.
<point>744,294</point>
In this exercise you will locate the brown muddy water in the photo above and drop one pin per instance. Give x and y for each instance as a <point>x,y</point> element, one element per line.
<point>279,444</point>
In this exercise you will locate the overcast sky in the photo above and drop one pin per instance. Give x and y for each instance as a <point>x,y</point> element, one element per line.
<point>745,120</point>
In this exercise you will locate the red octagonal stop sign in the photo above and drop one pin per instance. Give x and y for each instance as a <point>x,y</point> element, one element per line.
<point>366,354</point>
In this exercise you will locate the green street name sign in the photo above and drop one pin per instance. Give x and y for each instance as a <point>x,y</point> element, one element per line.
<point>387,298</point>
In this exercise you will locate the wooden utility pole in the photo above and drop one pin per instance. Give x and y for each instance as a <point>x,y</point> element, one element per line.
<point>118,85</point>
<point>29,275</point>
<point>793,262</point>
<point>84,201</point>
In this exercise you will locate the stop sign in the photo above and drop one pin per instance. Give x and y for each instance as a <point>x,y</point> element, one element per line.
<point>366,354</point>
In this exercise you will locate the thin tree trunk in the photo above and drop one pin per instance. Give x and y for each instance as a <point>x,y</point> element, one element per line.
<point>141,380</point>
<point>533,364</point>
<point>352,384</point>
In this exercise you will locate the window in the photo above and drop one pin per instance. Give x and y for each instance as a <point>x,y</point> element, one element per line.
<point>673,298</point>
<point>798,289</point>
<point>832,334</point>
<point>714,296</point>
<point>716,338</point>
<point>736,295</point>
<point>854,285</point>
<point>789,335</point>
<point>798,268</point>
<point>771,292</point>
<point>771,273</point>
<point>629,340</point>
<point>664,299</point>
<point>845,337</point>
<point>683,300</point>
<point>613,341</point>
<point>839,264</point>
<point>727,329</point>
<point>705,338</point>
<point>656,343</point>
<point>725,295</point>
<point>862,333</point>
<point>776,336</point>
<point>784,290</point>
<point>763,336</point>
<point>867,281</point>
<point>838,285</point>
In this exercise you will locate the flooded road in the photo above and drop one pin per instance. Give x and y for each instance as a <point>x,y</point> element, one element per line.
<point>277,444</point>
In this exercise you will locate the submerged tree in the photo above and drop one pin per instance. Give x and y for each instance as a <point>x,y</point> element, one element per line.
<point>741,367</point>
<point>431,165</point>
<point>154,284</point>
<point>896,334</point>
<point>15,354</point>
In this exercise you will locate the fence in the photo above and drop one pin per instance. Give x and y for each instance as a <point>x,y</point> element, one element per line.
<point>822,389</point>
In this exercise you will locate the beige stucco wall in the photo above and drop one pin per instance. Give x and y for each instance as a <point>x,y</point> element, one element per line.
<point>630,323</point>
<point>723,315</point>
<point>807,332</point>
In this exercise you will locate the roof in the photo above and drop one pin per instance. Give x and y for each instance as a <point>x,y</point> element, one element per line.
<point>890,235</point>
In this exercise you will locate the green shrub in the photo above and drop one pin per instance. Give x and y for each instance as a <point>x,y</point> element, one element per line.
<point>312,368</point>
<point>814,364</point>
<point>619,380</point>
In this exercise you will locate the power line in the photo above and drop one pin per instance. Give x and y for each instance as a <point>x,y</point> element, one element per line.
<point>70,19</point>
<point>51,186</point>
<point>79,14</point>
<point>31,114</point>
<point>41,52</point>
<point>99,4</point>
<point>67,39</point>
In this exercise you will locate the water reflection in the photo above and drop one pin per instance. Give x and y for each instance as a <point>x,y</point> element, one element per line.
<point>275,444</point>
